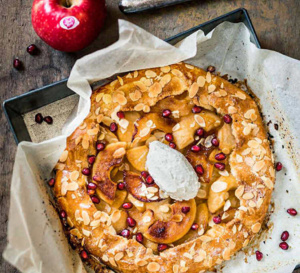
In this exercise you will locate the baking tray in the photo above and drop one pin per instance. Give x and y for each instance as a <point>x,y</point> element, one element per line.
<point>20,110</point>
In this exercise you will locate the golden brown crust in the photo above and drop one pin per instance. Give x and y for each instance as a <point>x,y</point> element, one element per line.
<point>250,162</point>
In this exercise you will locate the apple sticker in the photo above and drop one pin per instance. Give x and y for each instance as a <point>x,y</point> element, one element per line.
<point>69,22</point>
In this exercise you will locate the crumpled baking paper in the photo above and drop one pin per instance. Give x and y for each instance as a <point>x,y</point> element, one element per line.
<point>36,242</point>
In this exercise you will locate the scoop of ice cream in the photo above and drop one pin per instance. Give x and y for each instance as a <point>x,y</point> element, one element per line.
<point>172,172</point>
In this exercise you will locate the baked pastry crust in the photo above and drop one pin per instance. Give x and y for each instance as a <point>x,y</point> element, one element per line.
<point>251,166</point>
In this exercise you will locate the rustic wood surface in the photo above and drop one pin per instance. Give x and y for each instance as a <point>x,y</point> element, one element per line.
<point>277,24</point>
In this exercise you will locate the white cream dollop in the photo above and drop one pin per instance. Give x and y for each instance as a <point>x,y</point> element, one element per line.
<point>172,172</point>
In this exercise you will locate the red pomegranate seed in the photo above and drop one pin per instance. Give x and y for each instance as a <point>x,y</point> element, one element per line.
<point>196,109</point>
<point>91,186</point>
<point>162,247</point>
<point>194,226</point>
<point>84,255</point>
<point>185,209</point>
<point>227,119</point>
<point>48,119</point>
<point>113,127</point>
<point>139,237</point>
<point>278,166</point>
<point>211,69</point>
<point>144,174</point>
<point>292,212</point>
<point>166,113</point>
<point>149,179</point>
<point>125,233</point>
<point>195,148</point>
<point>215,142</point>
<point>91,192</point>
<point>217,219</point>
<point>284,245</point>
<point>127,205</point>
<point>200,132</point>
<point>259,255</point>
<point>169,137</point>
<point>172,145</point>
<point>32,49</point>
<point>91,159</point>
<point>95,199</point>
<point>121,186</point>
<point>131,222</point>
<point>17,64</point>
<point>51,182</point>
<point>220,156</point>
<point>96,178</point>
<point>199,169</point>
<point>63,214</point>
<point>121,114</point>
<point>38,118</point>
<point>220,166</point>
<point>100,146</point>
<point>285,235</point>
<point>86,171</point>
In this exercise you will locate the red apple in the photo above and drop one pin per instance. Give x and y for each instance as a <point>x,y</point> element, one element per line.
<point>68,25</point>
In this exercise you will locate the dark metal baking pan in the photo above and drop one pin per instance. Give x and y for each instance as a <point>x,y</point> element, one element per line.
<point>16,107</point>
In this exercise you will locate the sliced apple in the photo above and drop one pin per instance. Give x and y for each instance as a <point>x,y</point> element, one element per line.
<point>212,120</point>
<point>106,160</point>
<point>226,139</point>
<point>126,136</point>
<point>174,229</point>
<point>202,216</point>
<point>119,220</point>
<point>137,157</point>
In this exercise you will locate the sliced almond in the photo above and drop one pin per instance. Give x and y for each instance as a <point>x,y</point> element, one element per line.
<point>201,81</point>
<point>64,156</point>
<point>200,120</point>
<point>165,69</point>
<point>119,153</point>
<point>193,90</point>
<point>153,267</point>
<point>219,186</point>
<point>256,227</point>
<point>150,74</point>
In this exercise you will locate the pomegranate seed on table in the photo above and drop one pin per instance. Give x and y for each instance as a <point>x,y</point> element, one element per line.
<point>32,49</point>
<point>86,171</point>
<point>172,145</point>
<point>48,120</point>
<point>211,69</point>
<point>215,142</point>
<point>284,245</point>
<point>51,182</point>
<point>166,113</point>
<point>199,169</point>
<point>194,226</point>
<point>121,114</point>
<point>127,205</point>
<point>259,255</point>
<point>91,159</point>
<point>91,186</point>
<point>220,156</point>
<point>38,118</point>
<point>162,247</point>
<point>185,209</point>
<point>139,237</point>
<point>278,166</point>
<point>113,127</point>
<point>149,179</point>
<point>220,166</point>
<point>195,148</point>
<point>144,174</point>
<point>169,137</point>
<point>292,212</point>
<point>121,186</point>
<point>84,254</point>
<point>200,132</point>
<point>63,214</point>
<point>285,235</point>
<point>17,64</point>
<point>217,219</point>
<point>100,146</point>
<point>95,199</point>
<point>131,222</point>
<point>227,119</point>
<point>125,233</point>
<point>196,109</point>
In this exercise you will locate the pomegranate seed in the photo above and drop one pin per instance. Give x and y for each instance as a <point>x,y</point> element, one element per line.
<point>113,127</point>
<point>17,64</point>
<point>121,186</point>
<point>91,159</point>
<point>166,113</point>
<point>215,142</point>
<point>199,169</point>
<point>284,245</point>
<point>220,166</point>
<point>211,69</point>
<point>95,199</point>
<point>149,179</point>
<point>278,166</point>
<point>100,146</point>
<point>185,209</point>
<point>48,120</point>
<point>38,118</point>
<point>51,182</point>
<point>259,255</point>
<point>227,119</point>
<point>285,235</point>
<point>84,254</point>
<point>90,192</point>
<point>63,214</point>
<point>144,174</point>
<point>91,186</point>
<point>172,145</point>
<point>125,233</point>
<point>220,156</point>
<point>292,212</point>
<point>131,222</point>
<point>127,205</point>
<point>121,114</point>
<point>86,171</point>
<point>162,247</point>
<point>32,49</point>
<point>194,226</point>
<point>96,178</point>
<point>169,137</point>
<point>217,220</point>
<point>195,148</point>
<point>196,109</point>
<point>200,132</point>
<point>139,237</point>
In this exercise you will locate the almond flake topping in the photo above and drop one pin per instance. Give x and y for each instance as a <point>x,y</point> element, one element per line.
<point>119,256</point>
<point>135,96</point>
<point>201,81</point>
<point>200,120</point>
<point>135,74</point>
<point>227,205</point>
<point>176,72</point>
<point>208,77</point>
<point>153,267</point>
<point>92,132</point>
<point>176,127</point>
<point>85,217</point>
<point>107,99</point>
<point>73,186</point>
<point>120,80</point>
<point>219,186</point>
<point>99,97</point>
<point>240,95</point>
<point>232,110</point>
<point>165,80</point>
<point>141,85</point>
<point>239,191</point>
<point>193,90</point>
<point>86,233</point>
<point>64,156</point>
<point>119,153</point>
<point>155,90</point>
<point>145,131</point>
<point>256,227</point>
<point>211,88</point>
<point>248,196</point>
<point>150,74</point>
<point>139,107</point>
<point>165,69</point>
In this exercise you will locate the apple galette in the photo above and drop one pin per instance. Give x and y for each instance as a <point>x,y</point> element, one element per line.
<point>120,214</point>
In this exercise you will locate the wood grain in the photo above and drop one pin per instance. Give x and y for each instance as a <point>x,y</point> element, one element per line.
<point>277,24</point>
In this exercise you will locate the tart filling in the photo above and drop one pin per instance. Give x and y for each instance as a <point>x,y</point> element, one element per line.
<point>118,207</point>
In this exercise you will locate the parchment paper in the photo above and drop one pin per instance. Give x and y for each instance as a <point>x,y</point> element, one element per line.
<point>36,242</point>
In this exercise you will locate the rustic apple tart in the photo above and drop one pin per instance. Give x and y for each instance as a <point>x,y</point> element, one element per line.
<point>115,211</point>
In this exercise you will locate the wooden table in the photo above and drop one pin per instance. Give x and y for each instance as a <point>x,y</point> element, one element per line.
<point>277,24</point>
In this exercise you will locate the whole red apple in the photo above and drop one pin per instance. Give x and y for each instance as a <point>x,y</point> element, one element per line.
<point>68,25</point>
